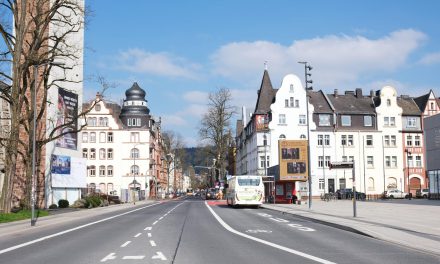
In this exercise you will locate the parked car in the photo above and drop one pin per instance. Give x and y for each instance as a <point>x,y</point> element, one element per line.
<point>347,193</point>
<point>396,194</point>
<point>423,193</point>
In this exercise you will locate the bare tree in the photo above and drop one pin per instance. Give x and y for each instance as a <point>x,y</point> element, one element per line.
<point>215,126</point>
<point>174,146</point>
<point>37,62</point>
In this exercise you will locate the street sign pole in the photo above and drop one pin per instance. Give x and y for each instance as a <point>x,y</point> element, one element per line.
<point>354,192</point>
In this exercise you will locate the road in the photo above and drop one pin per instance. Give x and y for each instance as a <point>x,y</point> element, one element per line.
<point>197,231</point>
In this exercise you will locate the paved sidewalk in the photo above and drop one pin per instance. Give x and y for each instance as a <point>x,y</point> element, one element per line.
<point>413,223</point>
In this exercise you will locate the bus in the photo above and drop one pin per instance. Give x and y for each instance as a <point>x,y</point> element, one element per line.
<point>245,190</point>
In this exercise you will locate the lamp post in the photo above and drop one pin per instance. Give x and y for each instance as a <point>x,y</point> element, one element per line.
<point>408,153</point>
<point>308,68</point>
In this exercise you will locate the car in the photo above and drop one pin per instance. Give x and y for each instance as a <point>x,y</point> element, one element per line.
<point>211,194</point>
<point>347,193</point>
<point>396,194</point>
<point>423,193</point>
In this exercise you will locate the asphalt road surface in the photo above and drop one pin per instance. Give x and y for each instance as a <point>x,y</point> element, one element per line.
<point>192,230</point>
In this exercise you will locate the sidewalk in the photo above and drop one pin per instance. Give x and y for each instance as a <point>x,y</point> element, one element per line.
<point>413,223</point>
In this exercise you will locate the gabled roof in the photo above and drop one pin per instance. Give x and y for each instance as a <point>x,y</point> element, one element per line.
<point>409,106</point>
<point>421,101</point>
<point>266,95</point>
<point>352,103</point>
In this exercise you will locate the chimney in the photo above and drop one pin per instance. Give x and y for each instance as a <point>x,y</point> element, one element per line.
<point>336,93</point>
<point>358,92</point>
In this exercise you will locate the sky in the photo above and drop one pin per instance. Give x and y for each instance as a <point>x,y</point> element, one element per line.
<point>180,51</point>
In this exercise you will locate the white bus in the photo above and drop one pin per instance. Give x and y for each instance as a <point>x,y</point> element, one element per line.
<point>245,190</point>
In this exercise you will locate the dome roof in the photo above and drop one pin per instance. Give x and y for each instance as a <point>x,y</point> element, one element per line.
<point>135,93</point>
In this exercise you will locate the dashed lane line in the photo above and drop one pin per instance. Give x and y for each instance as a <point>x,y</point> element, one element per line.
<point>109,257</point>
<point>133,257</point>
<point>149,234</point>
<point>125,244</point>
<point>148,228</point>
<point>137,235</point>
<point>152,243</point>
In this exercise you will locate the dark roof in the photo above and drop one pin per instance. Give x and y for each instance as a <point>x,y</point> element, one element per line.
<point>266,95</point>
<point>114,108</point>
<point>319,102</point>
<point>409,106</point>
<point>352,103</point>
<point>135,93</point>
<point>421,101</point>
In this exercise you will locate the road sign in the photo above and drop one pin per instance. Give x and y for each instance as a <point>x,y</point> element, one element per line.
<point>341,165</point>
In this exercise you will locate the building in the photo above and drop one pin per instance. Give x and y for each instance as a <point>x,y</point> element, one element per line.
<point>432,141</point>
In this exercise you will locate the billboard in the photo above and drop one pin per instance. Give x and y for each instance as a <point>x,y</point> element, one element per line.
<point>293,160</point>
<point>67,112</point>
<point>261,122</point>
<point>68,172</point>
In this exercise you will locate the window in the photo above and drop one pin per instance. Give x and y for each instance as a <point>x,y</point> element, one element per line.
<point>409,140</point>
<point>92,171</point>
<point>341,184</point>
<point>370,162</point>
<point>291,102</point>
<point>368,121</point>
<point>286,103</point>
<point>134,170</point>
<point>387,161</point>
<point>85,153</point>
<point>110,171</point>
<point>344,158</point>
<point>346,120</point>
<point>109,187</point>
<point>327,140</point>
<point>101,153</point>
<point>324,120</point>
<point>101,121</point>
<point>102,187</point>
<point>320,161</point>
<point>370,184</point>
<point>387,141</point>
<point>267,162</point>
<point>296,103</point>
<point>392,121</point>
<point>262,160</point>
<point>418,161</point>
<point>109,153</point>
<point>321,184</point>
<point>394,161</point>
<point>101,171</point>
<point>369,140</point>
<point>282,119</point>
<point>282,136</point>
<point>388,102</point>
<point>92,137</point>
<point>302,119</point>
<point>410,161</point>
<point>350,140</point>
<point>432,106</point>
<point>91,121</point>
<point>393,141</point>
<point>134,137</point>
<point>351,158</point>
<point>327,161</point>
<point>134,153</point>
<point>97,107</point>
<point>291,88</point>
<point>105,121</point>
<point>320,140</point>
<point>417,141</point>
<point>110,137</point>
<point>138,122</point>
<point>92,153</point>
<point>386,121</point>
<point>302,136</point>
<point>411,122</point>
<point>85,137</point>
<point>102,137</point>
<point>344,140</point>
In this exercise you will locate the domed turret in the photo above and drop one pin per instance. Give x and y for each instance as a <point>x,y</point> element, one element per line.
<point>135,93</point>
<point>134,111</point>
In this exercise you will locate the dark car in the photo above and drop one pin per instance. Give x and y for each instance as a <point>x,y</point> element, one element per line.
<point>347,193</point>
<point>211,194</point>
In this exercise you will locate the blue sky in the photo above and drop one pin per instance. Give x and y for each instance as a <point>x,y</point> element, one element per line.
<point>179,51</point>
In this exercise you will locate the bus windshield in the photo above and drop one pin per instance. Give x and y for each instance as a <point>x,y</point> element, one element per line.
<point>248,182</point>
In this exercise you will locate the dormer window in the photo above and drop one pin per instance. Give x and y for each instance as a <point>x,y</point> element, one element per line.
<point>388,102</point>
<point>97,107</point>
<point>291,88</point>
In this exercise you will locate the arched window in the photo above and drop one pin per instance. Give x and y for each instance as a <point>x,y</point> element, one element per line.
<point>102,153</point>
<point>92,186</point>
<point>134,170</point>
<point>303,136</point>
<point>101,171</point>
<point>92,171</point>
<point>92,137</point>
<point>392,183</point>
<point>110,187</point>
<point>102,137</point>
<point>102,188</point>
<point>282,136</point>
<point>109,153</point>
<point>105,121</point>
<point>85,153</point>
<point>110,171</point>
<point>110,137</point>
<point>134,154</point>
<point>92,153</point>
<point>85,137</point>
<point>371,184</point>
<point>101,121</point>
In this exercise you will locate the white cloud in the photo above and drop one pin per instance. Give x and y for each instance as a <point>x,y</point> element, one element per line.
<point>174,120</point>
<point>163,64</point>
<point>196,96</point>
<point>336,59</point>
<point>432,58</point>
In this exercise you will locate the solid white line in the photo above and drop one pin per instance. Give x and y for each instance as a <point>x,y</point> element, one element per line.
<point>125,244</point>
<point>149,234</point>
<point>152,243</point>
<point>296,252</point>
<point>69,230</point>
<point>133,257</point>
<point>160,218</point>
<point>138,234</point>
<point>155,222</point>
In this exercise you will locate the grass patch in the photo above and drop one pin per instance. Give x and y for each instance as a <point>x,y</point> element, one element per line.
<point>23,214</point>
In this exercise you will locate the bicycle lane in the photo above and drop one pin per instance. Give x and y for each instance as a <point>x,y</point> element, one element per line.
<point>313,239</point>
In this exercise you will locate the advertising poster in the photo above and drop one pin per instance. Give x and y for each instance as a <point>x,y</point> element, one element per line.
<point>60,164</point>
<point>68,172</point>
<point>67,111</point>
<point>293,160</point>
<point>261,122</point>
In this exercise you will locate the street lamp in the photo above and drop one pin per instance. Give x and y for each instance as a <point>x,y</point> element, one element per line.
<point>308,68</point>
<point>34,128</point>
<point>408,153</point>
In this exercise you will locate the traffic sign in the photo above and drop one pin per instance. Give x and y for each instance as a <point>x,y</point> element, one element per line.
<point>341,165</point>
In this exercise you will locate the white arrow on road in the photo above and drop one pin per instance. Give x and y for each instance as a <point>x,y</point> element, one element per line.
<point>159,255</point>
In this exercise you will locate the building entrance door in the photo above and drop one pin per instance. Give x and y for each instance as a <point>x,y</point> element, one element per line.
<point>331,185</point>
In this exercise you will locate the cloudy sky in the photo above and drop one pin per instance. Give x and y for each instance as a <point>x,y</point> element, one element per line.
<point>180,51</point>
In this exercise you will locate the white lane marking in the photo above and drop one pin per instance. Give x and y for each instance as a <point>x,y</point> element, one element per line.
<point>149,234</point>
<point>301,228</point>
<point>159,255</point>
<point>148,228</point>
<point>137,235</point>
<point>125,244</point>
<point>160,218</point>
<point>133,257</point>
<point>280,220</point>
<point>152,243</point>
<point>155,222</point>
<point>297,226</point>
<point>108,257</point>
<point>258,231</point>
<point>293,251</point>
<point>70,230</point>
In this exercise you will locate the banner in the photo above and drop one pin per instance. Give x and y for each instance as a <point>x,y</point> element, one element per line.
<point>67,111</point>
<point>261,122</point>
<point>68,172</point>
<point>293,160</point>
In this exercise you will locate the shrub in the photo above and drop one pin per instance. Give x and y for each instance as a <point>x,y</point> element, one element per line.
<point>53,206</point>
<point>80,203</point>
<point>63,203</point>
<point>93,201</point>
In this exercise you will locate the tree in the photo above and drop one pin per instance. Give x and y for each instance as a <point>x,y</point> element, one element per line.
<point>174,146</point>
<point>43,39</point>
<point>215,126</point>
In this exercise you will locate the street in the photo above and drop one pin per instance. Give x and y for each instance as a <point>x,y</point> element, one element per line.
<point>193,230</point>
